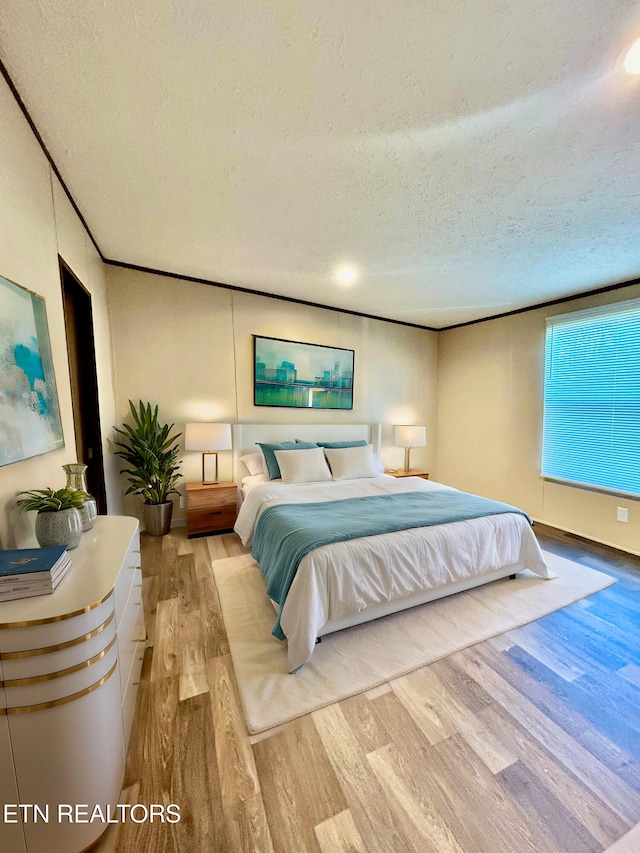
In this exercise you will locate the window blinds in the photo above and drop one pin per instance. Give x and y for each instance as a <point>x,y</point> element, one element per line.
<point>591,433</point>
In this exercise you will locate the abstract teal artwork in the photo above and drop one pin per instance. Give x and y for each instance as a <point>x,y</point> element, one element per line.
<point>302,376</point>
<point>29,411</point>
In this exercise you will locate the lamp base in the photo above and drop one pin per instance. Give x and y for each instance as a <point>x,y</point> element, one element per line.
<point>407,467</point>
<point>209,468</point>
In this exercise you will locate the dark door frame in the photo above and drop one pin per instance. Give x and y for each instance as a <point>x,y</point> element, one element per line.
<point>81,355</point>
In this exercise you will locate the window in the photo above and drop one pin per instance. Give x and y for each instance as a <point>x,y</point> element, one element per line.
<point>591,434</point>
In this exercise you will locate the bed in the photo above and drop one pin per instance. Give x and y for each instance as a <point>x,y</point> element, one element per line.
<point>353,580</point>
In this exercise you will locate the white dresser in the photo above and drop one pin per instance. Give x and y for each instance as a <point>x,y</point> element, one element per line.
<point>69,669</point>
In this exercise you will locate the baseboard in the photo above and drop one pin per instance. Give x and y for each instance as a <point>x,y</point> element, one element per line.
<point>586,538</point>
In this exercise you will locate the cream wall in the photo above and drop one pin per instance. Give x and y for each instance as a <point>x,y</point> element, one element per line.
<point>189,348</point>
<point>490,402</point>
<point>36,223</point>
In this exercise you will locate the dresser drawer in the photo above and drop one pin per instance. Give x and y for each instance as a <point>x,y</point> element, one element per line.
<point>131,692</point>
<point>130,632</point>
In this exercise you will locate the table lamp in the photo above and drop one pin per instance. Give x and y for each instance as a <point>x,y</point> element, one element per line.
<point>408,437</point>
<point>209,438</point>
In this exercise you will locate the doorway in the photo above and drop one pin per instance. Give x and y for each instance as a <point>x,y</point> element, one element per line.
<point>78,321</point>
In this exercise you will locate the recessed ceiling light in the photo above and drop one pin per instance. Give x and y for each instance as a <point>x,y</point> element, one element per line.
<point>632,59</point>
<point>346,275</point>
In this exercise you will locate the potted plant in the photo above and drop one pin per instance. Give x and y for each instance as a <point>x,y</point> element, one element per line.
<point>59,519</point>
<point>151,453</point>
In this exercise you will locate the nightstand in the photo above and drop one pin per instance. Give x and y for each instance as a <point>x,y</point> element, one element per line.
<point>211,508</point>
<point>412,472</point>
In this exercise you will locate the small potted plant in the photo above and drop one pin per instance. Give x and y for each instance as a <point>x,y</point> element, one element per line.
<point>59,519</point>
<point>153,473</point>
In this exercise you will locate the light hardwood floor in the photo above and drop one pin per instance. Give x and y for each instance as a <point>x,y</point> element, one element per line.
<point>527,743</point>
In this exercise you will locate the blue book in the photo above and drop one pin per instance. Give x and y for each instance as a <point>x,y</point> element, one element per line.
<point>31,564</point>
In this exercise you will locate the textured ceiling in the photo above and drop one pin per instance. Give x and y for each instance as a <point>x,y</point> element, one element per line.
<point>468,158</point>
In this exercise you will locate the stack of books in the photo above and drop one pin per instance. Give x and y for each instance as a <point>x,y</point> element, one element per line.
<point>32,571</point>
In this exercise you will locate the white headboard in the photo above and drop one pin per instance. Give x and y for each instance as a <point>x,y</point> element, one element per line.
<point>245,437</point>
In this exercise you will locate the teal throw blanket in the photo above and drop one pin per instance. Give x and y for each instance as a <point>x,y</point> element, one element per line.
<point>286,532</point>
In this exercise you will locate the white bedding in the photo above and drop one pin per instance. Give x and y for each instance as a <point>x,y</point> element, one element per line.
<point>252,480</point>
<point>346,577</point>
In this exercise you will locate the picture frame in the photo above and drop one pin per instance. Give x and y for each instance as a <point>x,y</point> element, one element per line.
<point>30,423</point>
<point>299,375</point>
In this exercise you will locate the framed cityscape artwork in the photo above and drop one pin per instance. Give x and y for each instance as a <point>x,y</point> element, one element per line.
<point>29,411</point>
<point>301,376</point>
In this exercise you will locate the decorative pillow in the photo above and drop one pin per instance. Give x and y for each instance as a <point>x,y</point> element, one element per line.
<point>352,463</point>
<point>307,465</point>
<point>254,463</point>
<point>342,444</point>
<point>271,462</point>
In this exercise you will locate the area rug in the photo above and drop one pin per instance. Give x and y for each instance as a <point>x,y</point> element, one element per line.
<point>365,656</point>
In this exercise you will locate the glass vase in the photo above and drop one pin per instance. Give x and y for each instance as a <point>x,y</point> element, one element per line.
<point>77,479</point>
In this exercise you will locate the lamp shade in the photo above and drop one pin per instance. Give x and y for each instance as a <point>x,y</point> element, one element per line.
<point>207,436</point>
<point>410,436</point>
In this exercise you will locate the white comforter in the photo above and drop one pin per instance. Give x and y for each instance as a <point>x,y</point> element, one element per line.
<point>346,577</point>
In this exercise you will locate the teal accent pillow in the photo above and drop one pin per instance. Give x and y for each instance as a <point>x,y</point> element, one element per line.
<point>269,453</point>
<point>338,445</point>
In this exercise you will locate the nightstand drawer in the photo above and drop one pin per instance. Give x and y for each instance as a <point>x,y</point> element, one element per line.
<point>226,496</point>
<point>211,519</point>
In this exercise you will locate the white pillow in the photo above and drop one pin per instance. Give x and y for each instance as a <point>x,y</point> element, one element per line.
<point>352,463</point>
<point>303,466</point>
<point>254,463</point>
<point>252,480</point>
